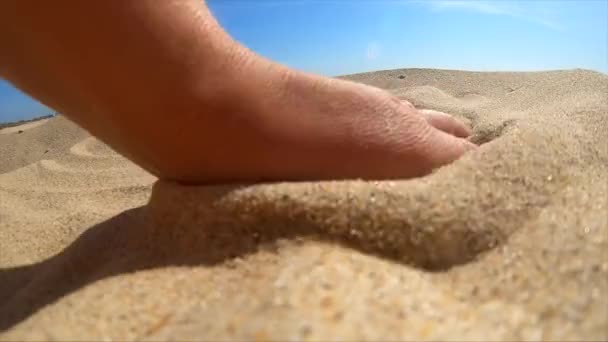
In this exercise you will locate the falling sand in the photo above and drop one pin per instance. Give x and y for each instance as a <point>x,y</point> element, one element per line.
<point>510,242</point>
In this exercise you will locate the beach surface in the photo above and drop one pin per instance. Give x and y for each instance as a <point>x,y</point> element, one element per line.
<point>508,243</point>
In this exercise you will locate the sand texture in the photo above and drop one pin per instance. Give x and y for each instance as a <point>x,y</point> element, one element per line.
<point>510,242</point>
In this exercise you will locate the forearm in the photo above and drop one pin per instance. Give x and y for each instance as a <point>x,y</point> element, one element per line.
<point>148,77</point>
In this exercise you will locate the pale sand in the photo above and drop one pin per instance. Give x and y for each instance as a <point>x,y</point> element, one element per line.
<point>510,242</point>
<point>24,127</point>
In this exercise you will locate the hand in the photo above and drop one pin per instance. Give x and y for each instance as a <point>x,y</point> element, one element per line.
<point>331,128</point>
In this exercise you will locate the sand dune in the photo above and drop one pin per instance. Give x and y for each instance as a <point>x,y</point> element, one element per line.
<point>37,140</point>
<point>22,128</point>
<point>509,242</point>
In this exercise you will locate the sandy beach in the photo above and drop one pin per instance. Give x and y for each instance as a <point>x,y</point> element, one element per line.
<point>508,243</point>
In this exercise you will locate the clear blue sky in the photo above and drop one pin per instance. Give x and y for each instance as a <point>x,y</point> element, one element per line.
<point>335,37</point>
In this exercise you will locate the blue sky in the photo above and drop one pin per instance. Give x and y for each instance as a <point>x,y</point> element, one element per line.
<point>336,37</point>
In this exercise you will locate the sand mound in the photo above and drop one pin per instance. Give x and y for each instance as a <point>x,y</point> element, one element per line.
<point>510,242</point>
<point>24,127</point>
<point>49,138</point>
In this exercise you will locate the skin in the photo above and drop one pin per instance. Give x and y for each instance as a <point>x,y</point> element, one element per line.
<point>163,84</point>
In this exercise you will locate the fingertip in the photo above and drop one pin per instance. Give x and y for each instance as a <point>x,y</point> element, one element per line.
<point>446,123</point>
<point>469,146</point>
<point>444,148</point>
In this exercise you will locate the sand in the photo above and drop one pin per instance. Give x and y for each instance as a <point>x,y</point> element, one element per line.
<point>22,128</point>
<point>510,242</point>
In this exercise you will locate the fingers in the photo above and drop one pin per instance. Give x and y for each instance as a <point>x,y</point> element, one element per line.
<point>441,148</point>
<point>445,123</point>
<point>442,121</point>
<point>443,141</point>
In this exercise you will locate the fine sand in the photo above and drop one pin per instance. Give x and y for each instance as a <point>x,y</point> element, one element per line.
<point>510,242</point>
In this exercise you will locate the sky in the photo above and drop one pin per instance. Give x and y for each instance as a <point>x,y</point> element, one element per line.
<point>337,37</point>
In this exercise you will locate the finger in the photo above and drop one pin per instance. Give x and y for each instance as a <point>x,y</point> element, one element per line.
<point>441,148</point>
<point>446,123</point>
<point>407,104</point>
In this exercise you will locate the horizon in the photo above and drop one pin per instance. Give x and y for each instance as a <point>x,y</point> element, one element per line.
<point>338,38</point>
